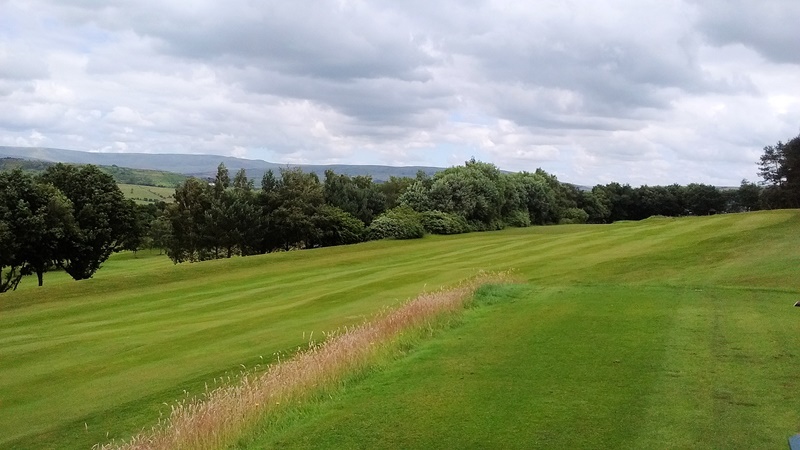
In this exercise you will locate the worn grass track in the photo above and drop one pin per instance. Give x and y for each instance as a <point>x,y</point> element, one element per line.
<point>80,359</point>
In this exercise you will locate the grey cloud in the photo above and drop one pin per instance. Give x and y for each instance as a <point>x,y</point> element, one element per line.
<point>307,38</point>
<point>366,64</point>
<point>21,66</point>
<point>377,100</point>
<point>301,42</point>
<point>611,76</point>
<point>767,26</point>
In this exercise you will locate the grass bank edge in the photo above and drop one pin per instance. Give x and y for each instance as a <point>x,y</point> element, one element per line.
<point>227,413</point>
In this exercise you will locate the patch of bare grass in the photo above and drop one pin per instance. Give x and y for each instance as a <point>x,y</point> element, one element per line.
<point>223,414</point>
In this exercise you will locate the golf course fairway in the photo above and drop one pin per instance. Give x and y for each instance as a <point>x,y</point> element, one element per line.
<point>664,333</point>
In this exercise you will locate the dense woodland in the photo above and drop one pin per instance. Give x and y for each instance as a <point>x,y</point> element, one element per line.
<point>73,218</point>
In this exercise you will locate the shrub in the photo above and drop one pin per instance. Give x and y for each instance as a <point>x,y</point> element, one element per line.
<point>493,225</point>
<point>337,227</point>
<point>518,218</point>
<point>574,215</point>
<point>437,222</point>
<point>398,223</point>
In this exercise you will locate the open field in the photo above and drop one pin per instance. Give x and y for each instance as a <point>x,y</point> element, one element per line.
<point>626,335</point>
<point>147,194</point>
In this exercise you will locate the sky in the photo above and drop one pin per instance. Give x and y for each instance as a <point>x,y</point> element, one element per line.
<point>632,91</point>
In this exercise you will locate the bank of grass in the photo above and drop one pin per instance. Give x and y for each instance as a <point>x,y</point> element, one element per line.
<point>85,362</point>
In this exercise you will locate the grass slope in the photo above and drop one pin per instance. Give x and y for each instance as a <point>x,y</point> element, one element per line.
<point>156,178</point>
<point>147,194</point>
<point>677,329</point>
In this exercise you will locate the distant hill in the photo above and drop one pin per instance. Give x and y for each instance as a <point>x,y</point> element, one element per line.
<point>201,165</point>
<point>123,175</point>
<point>26,165</point>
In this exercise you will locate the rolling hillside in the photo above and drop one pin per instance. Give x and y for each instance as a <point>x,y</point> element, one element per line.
<point>122,175</point>
<point>201,165</point>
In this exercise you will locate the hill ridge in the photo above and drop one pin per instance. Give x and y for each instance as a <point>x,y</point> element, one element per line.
<point>203,165</point>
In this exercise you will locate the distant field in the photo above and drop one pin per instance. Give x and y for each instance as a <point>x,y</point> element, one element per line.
<point>147,194</point>
<point>144,177</point>
<point>666,333</point>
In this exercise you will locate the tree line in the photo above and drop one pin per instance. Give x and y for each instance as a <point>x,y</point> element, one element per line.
<point>74,217</point>
<point>296,210</point>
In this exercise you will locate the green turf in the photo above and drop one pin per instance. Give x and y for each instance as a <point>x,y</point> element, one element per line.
<point>147,194</point>
<point>580,367</point>
<point>697,312</point>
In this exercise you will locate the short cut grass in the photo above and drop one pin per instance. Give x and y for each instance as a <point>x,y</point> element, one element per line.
<point>85,362</point>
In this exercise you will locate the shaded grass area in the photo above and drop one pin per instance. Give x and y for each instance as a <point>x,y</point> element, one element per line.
<point>82,359</point>
<point>578,367</point>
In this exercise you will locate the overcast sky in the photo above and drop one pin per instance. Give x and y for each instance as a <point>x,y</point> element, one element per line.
<point>637,91</point>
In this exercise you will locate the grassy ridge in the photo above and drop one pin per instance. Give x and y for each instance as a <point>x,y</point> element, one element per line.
<point>80,359</point>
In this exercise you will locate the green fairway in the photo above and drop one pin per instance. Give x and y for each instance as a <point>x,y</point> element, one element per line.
<point>626,335</point>
<point>580,367</point>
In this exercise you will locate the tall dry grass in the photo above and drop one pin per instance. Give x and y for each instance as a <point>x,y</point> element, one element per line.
<point>222,415</point>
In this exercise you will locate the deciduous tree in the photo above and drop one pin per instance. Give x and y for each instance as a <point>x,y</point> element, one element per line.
<point>779,166</point>
<point>36,227</point>
<point>103,216</point>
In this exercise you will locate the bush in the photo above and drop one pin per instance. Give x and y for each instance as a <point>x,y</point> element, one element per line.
<point>337,227</point>
<point>437,222</point>
<point>493,225</point>
<point>518,218</point>
<point>398,223</point>
<point>574,215</point>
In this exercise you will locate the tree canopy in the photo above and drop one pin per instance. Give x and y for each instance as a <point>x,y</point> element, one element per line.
<point>69,217</point>
<point>103,217</point>
<point>36,224</point>
<point>779,166</point>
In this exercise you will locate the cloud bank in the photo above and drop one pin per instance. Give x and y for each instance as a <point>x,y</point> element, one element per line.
<point>641,92</point>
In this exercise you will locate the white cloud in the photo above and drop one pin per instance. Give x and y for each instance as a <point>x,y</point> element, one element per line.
<point>634,91</point>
